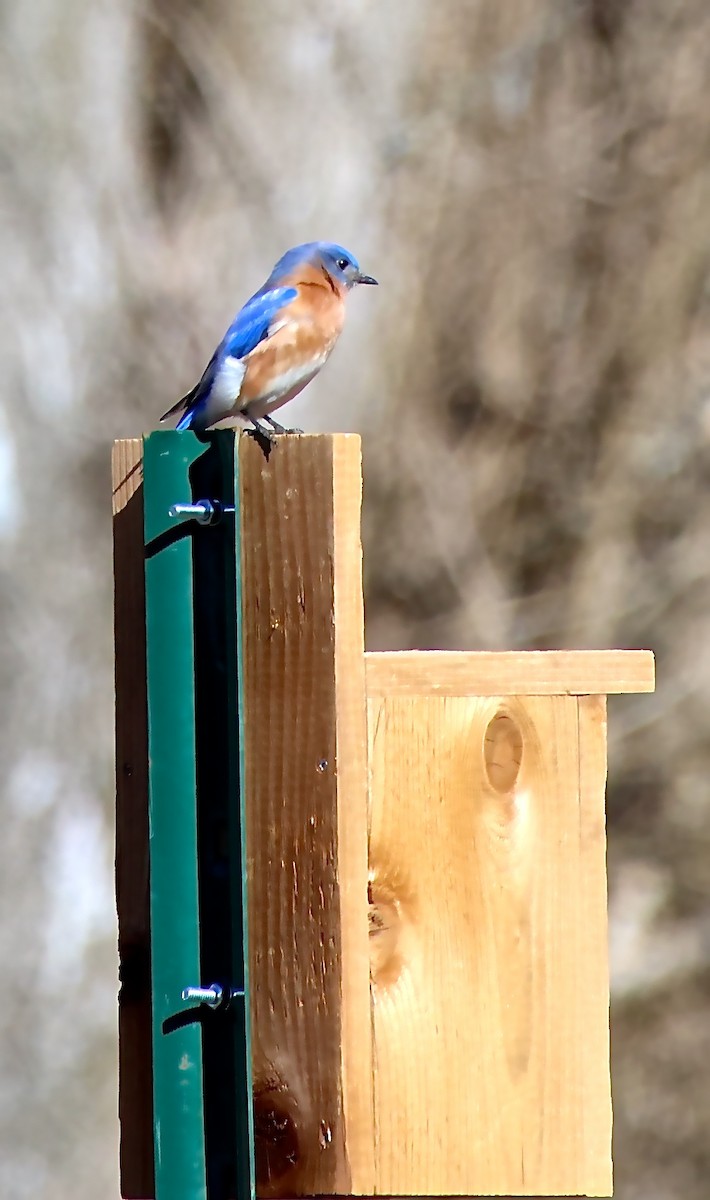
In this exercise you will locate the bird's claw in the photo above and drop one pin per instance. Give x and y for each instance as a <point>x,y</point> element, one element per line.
<point>260,434</point>
<point>280,428</point>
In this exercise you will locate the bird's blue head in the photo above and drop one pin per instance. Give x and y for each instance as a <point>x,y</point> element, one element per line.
<point>341,265</point>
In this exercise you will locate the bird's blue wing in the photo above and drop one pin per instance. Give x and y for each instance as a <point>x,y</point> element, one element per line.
<point>252,323</point>
<point>250,326</point>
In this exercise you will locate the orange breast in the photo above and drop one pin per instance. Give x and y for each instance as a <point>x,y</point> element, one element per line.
<point>294,352</point>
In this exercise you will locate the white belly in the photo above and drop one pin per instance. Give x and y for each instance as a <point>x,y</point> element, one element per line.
<point>227,383</point>
<point>284,388</point>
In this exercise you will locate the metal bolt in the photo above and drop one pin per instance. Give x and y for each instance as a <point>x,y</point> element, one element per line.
<point>205,512</point>
<point>211,995</point>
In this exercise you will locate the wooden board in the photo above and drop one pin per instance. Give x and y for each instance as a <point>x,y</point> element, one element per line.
<point>478,1061</point>
<point>509,673</point>
<point>135,1102</point>
<point>594,953</point>
<point>490,994</point>
<point>306,787</point>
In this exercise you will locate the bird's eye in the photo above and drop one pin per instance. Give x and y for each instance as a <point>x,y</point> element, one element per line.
<point>342,264</point>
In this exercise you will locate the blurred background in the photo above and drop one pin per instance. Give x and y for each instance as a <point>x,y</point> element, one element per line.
<point>530,183</point>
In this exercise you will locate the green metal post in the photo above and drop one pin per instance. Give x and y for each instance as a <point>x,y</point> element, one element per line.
<point>204,1138</point>
<point>175,934</point>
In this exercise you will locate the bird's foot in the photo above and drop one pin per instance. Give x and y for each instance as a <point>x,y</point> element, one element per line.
<point>280,428</point>
<point>266,437</point>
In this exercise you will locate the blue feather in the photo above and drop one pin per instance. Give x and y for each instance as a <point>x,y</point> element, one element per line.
<point>251,325</point>
<point>185,420</point>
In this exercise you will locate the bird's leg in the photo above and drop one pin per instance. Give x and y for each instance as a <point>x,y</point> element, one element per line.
<point>259,431</point>
<point>279,428</point>
<point>275,425</point>
<point>265,433</point>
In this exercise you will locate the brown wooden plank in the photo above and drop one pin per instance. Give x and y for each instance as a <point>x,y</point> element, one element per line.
<point>306,788</point>
<point>509,673</point>
<point>480,1004</point>
<point>135,1103</point>
<point>594,953</point>
<point>352,767</point>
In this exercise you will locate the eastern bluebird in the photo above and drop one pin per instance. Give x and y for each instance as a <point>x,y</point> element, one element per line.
<point>278,341</point>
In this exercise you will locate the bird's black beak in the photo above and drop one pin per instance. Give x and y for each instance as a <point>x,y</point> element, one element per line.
<point>360,278</point>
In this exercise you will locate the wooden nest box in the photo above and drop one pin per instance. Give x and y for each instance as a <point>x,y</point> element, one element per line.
<point>422,840</point>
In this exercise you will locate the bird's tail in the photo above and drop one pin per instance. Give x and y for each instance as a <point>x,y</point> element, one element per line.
<point>170,412</point>
<point>184,402</point>
<point>185,421</point>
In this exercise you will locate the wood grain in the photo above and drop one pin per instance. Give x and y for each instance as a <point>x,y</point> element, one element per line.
<point>135,1102</point>
<point>352,768</point>
<point>484,1005</point>
<point>306,788</point>
<point>478,1064</point>
<point>594,954</point>
<point>509,673</point>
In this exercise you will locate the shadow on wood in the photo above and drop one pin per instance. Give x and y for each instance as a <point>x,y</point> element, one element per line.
<point>135,1105</point>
